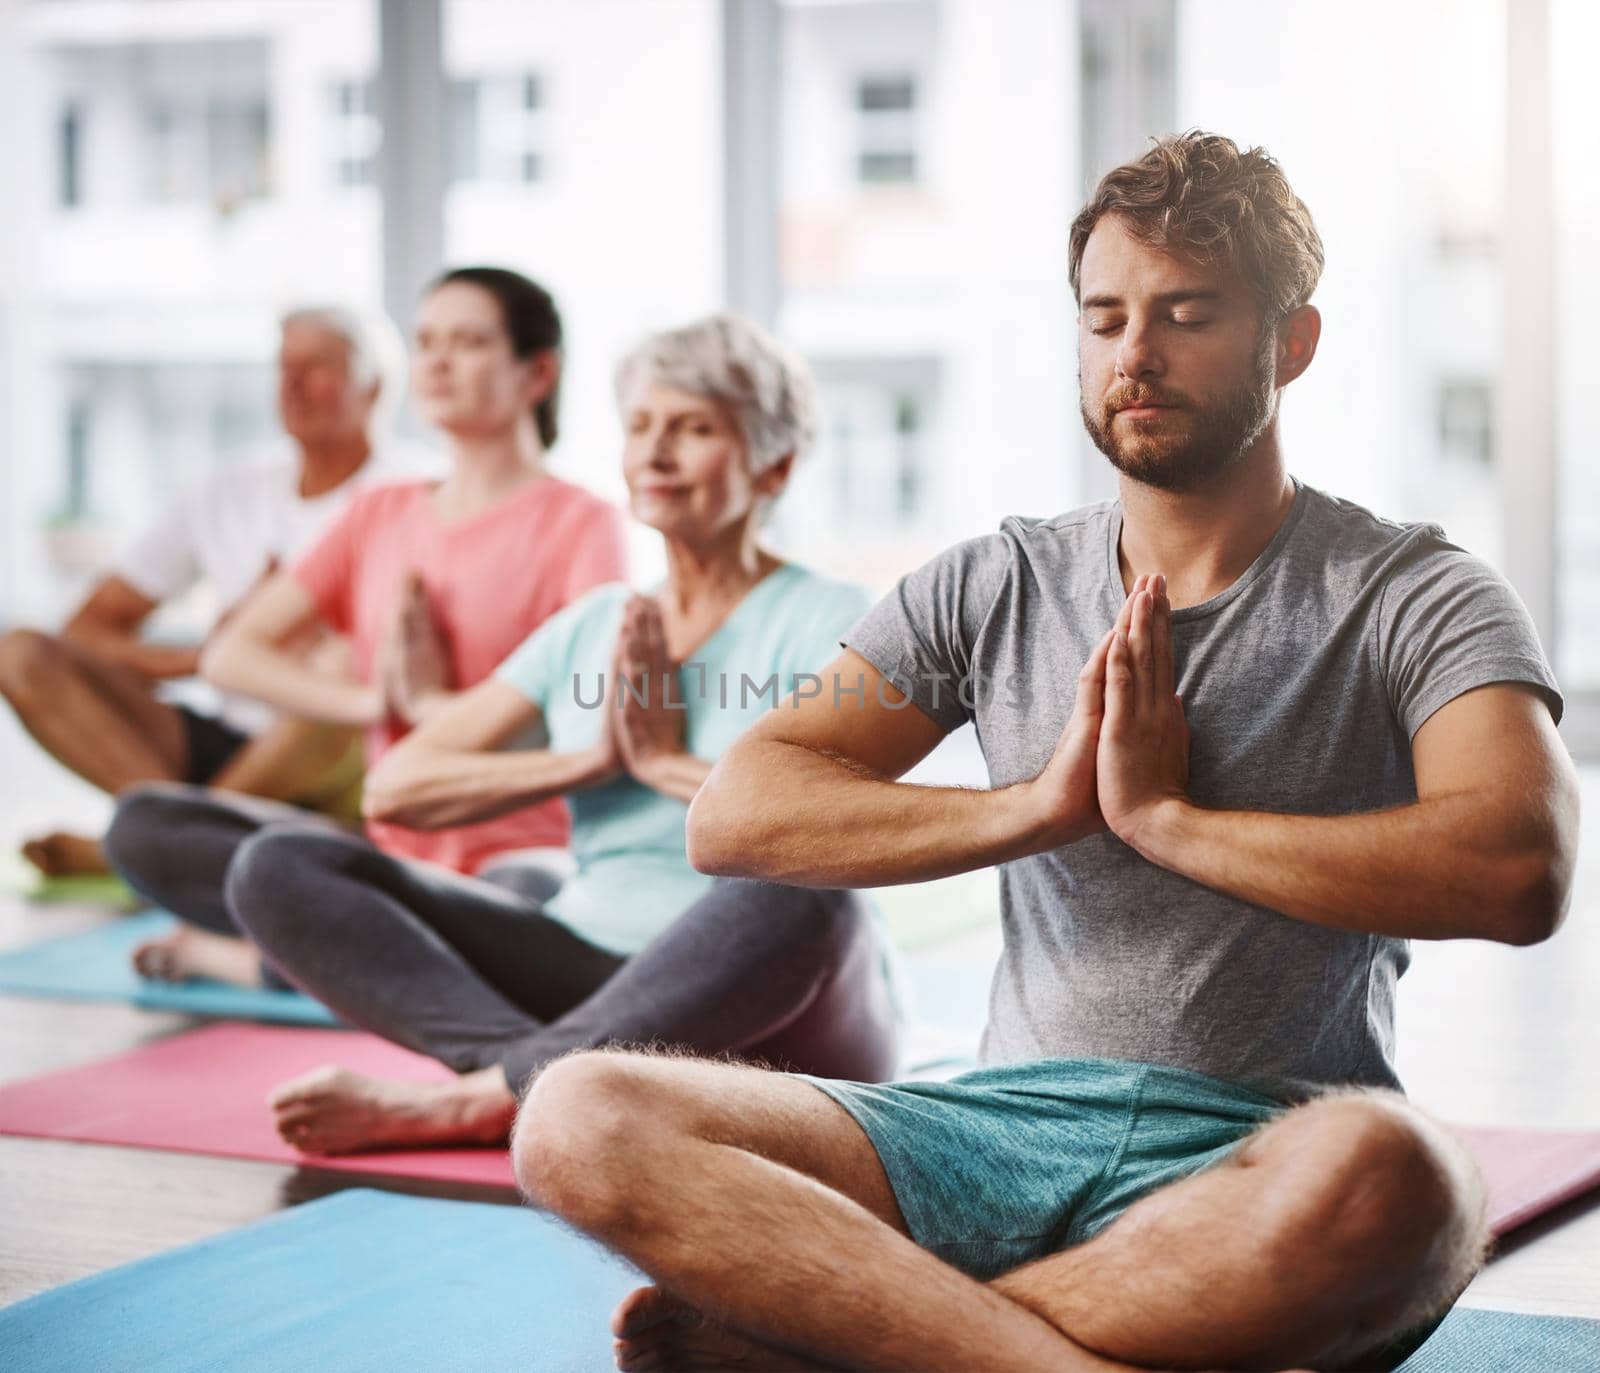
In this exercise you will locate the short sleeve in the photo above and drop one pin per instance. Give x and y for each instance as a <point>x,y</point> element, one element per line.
<point>599,555</point>
<point>1447,623</point>
<point>538,664</point>
<point>920,636</point>
<point>327,569</point>
<point>162,562</point>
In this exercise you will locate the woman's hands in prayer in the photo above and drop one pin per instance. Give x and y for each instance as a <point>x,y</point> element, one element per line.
<point>413,658</point>
<point>647,715</point>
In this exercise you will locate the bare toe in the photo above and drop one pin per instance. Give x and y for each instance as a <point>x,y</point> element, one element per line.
<point>643,1308</point>
<point>306,1087</point>
<point>155,959</point>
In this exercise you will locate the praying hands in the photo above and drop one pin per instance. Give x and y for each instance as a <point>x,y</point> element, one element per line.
<point>1125,750</point>
<point>643,732</point>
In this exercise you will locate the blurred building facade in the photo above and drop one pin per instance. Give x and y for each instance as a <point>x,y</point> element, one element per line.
<point>188,167</point>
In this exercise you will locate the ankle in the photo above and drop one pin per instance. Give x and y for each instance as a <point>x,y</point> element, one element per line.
<point>482,1103</point>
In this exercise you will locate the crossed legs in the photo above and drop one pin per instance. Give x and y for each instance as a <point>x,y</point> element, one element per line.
<point>483,980</point>
<point>104,723</point>
<point>761,1209</point>
<point>101,721</point>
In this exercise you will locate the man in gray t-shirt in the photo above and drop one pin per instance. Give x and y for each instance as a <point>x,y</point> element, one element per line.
<point>1303,683</point>
<point>1245,740</point>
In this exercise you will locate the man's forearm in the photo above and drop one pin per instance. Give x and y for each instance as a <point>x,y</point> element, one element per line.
<point>155,662</point>
<point>1448,867</point>
<point>788,814</point>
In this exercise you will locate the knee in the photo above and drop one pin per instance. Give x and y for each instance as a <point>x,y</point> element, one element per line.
<point>30,664</point>
<point>1380,1189</point>
<point>265,885</point>
<point>582,1127</point>
<point>146,820</point>
<point>841,916</point>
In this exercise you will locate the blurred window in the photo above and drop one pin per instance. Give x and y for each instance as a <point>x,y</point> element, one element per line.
<point>871,472</point>
<point>1466,427</point>
<point>356,133</point>
<point>886,127</point>
<point>922,273</point>
<point>69,132</point>
<point>199,167</point>
<point>497,129</point>
<point>1406,191</point>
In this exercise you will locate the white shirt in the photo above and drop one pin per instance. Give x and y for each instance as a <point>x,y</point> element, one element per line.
<point>225,529</point>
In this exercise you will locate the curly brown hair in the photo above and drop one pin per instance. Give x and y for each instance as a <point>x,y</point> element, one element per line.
<point>1198,194</point>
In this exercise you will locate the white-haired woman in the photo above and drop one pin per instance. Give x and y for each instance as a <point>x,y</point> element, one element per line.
<point>637,947</point>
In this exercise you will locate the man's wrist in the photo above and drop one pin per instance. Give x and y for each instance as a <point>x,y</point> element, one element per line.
<point>187,663</point>
<point>1031,821</point>
<point>1163,830</point>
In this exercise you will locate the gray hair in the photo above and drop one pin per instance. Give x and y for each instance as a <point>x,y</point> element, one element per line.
<point>768,387</point>
<point>376,352</point>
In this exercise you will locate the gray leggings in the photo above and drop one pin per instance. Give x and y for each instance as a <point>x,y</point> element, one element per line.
<point>473,973</point>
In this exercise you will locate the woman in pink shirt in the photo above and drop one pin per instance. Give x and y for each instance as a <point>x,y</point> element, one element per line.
<point>434,582</point>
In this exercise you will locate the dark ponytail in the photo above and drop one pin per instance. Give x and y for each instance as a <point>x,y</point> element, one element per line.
<point>529,314</point>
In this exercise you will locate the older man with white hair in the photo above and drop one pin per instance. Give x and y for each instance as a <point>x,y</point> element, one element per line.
<point>92,694</point>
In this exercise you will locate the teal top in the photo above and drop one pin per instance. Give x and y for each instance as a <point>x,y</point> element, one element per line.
<point>633,877</point>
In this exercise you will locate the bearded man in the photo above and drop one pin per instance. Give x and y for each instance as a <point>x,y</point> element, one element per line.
<point>1246,740</point>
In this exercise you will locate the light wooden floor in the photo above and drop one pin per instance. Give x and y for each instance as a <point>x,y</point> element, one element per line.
<point>1488,1035</point>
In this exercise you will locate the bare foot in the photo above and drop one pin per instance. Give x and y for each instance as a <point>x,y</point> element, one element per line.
<point>335,1111</point>
<point>60,854</point>
<point>188,953</point>
<point>655,1330</point>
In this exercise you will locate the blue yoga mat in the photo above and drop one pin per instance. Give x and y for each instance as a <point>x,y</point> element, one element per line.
<point>94,966</point>
<point>370,1280</point>
<point>359,1280</point>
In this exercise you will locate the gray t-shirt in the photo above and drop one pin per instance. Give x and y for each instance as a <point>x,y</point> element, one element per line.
<point>1302,684</point>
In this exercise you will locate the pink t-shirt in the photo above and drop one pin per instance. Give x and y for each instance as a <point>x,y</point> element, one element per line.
<point>491,581</point>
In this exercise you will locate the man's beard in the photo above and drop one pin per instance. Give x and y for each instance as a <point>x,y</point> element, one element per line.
<point>1217,432</point>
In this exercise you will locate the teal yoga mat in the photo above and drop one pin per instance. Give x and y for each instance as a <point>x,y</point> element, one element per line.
<point>94,966</point>
<point>361,1280</point>
<point>368,1280</point>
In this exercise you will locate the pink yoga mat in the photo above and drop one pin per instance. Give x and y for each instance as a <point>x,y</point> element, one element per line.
<point>1530,1172</point>
<point>205,1092</point>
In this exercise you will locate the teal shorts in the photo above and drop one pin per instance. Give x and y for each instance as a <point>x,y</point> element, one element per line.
<point>1004,1165</point>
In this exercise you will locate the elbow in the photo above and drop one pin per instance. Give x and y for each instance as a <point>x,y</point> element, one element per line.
<point>716,842</point>
<point>1537,902</point>
<point>705,837</point>
<point>1540,882</point>
<point>1534,915</point>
